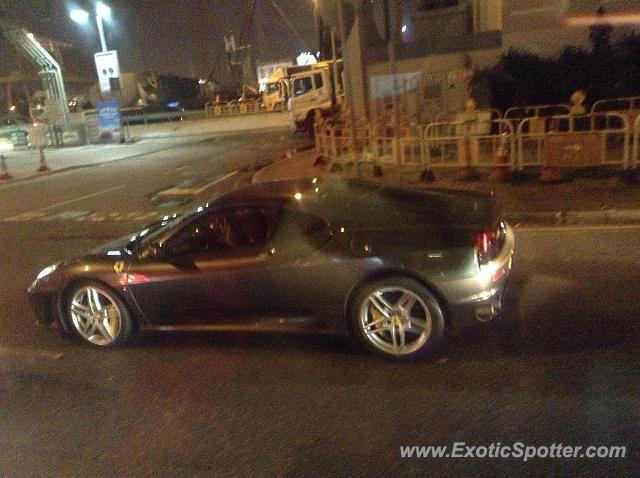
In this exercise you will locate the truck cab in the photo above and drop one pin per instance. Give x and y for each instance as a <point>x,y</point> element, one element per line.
<point>276,91</point>
<point>310,91</point>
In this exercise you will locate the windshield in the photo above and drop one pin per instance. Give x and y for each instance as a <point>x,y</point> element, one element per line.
<point>152,231</point>
<point>272,87</point>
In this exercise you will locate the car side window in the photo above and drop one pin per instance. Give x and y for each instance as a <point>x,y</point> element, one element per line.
<point>301,231</point>
<point>222,230</point>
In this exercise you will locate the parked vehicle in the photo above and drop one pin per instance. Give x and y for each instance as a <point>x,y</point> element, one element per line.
<point>393,267</point>
<point>276,91</point>
<point>15,131</point>
<point>317,91</point>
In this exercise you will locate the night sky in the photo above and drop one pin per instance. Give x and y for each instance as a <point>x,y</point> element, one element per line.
<point>183,37</point>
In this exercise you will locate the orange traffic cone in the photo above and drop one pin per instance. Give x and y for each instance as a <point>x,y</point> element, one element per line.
<point>551,174</point>
<point>4,172</point>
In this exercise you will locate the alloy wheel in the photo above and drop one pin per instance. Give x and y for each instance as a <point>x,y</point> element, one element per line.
<point>95,315</point>
<point>395,320</point>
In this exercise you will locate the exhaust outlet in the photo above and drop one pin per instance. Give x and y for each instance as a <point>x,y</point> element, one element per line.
<point>487,313</point>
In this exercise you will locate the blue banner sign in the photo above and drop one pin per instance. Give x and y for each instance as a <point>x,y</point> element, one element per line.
<point>109,121</point>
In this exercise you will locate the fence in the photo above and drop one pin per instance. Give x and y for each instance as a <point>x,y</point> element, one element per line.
<point>235,107</point>
<point>564,141</point>
<point>575,141</point>
<point>486,143</point>
<point>137,115</point>
<point>519,113</point>
<point>628,104</point>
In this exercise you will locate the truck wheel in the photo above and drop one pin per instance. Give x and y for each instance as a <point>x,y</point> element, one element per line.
<point>309,125</point>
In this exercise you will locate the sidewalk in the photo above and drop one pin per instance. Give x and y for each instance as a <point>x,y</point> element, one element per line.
<point>146,139</point>
<point>606,200</point>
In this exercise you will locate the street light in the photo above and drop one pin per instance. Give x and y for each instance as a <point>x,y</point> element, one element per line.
<point>79,16</point>
<point>102,12</point>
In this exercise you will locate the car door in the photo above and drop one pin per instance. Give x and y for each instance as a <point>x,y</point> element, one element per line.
<point>305,279</point>
<point>212,270</point>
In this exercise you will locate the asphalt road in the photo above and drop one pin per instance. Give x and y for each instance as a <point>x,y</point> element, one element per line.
<point>560,367</point>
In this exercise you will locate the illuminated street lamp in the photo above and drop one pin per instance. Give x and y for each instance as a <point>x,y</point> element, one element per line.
<point>102,12</point>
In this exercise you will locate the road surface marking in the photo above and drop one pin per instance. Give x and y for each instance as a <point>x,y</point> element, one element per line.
<point>82,198</point>
<point>83,216</point>
<point>38,213</point>
<point>178,191</point>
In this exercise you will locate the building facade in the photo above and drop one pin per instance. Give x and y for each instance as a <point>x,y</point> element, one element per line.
<point>443,42</point>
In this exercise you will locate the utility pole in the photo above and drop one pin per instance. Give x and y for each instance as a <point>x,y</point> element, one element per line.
<point>393,22</point>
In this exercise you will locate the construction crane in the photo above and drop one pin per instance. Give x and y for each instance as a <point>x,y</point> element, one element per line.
<point>243,43</point>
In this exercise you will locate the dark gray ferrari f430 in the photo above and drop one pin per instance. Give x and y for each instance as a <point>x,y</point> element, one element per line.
<point>391,266</point>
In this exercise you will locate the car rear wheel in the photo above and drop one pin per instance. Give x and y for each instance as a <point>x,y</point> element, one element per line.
<point>397,318</point>
<point>99,316</point>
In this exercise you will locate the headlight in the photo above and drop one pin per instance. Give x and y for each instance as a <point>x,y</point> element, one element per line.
<point>46,271</point>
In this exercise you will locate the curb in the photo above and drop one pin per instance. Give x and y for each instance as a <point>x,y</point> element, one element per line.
<point>560,218</point>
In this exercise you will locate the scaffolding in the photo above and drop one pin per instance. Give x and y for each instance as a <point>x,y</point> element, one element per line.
<point>49,71</point>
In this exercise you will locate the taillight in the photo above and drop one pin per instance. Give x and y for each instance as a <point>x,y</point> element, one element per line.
<point>486,243</point>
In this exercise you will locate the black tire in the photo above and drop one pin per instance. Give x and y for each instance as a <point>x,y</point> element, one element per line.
<point>415,319</point>
<point>310,124</point>
<point>107,324</point>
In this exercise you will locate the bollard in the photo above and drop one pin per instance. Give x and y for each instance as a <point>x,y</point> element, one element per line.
<point>43,164</point>
<point>4,172</point>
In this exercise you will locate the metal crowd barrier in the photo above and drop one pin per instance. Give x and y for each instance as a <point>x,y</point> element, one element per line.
<point>574,141</point>
<point>562,141</point>
<point>618,105</point>
<point>521,112</point>
<point>476,144</point>
<point>235,107</point>
<point>629,105</point>
<point>487,114</point>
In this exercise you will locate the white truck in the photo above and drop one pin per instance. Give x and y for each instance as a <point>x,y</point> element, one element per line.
<point>317,90</point>
<point>276,90</point>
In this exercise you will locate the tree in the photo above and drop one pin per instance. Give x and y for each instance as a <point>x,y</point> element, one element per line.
<point>600,34</point>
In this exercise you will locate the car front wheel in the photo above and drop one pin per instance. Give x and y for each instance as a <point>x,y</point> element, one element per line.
<point>99,316</point>
<point>397,318</point>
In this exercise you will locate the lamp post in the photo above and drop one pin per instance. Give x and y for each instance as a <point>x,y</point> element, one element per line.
<point>102,12</point>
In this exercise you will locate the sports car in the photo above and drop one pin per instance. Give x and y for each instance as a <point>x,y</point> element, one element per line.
<point>393,267</point>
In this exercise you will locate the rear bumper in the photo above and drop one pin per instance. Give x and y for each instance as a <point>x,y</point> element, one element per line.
<point>489,285</point>
<point>484,308</point>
